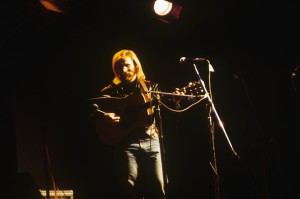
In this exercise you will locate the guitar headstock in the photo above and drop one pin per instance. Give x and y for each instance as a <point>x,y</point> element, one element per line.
<point>193,88</point>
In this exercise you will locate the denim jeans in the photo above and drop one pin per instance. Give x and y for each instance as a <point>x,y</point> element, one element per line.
<point>139,168</point>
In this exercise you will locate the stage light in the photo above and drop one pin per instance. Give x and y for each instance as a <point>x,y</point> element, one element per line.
<point>162,7</point>
<point>51,5</point>
<point>61,6</point>
<point>166,11</point>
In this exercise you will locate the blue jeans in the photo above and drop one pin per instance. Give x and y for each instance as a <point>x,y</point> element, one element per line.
<point>139,168</point>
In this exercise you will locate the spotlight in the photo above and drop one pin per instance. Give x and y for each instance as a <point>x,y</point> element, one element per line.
<point>166,11</point>
<point>61,6</point>
<point>51,5</point>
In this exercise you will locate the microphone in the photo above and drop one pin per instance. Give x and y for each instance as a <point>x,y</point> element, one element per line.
<point>184,60</point>
<point>294,73</point>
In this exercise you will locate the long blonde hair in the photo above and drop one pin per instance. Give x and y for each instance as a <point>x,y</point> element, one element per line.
<point>127,53</point>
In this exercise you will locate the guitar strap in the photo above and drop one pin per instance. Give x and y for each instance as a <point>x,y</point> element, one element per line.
<point>152,130</point>
<point>147,96</point>
<point>146,93</point>
<point>143,84</point>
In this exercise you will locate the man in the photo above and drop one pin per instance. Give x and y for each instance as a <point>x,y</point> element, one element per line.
<point>125,117</point>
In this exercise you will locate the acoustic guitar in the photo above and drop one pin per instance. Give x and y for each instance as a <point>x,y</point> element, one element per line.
<point>135,111</point>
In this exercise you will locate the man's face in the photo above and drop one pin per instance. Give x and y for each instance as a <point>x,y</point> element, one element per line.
<point>125,69</point>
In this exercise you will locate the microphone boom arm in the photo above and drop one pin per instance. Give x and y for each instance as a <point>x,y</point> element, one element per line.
<point>215,111</point>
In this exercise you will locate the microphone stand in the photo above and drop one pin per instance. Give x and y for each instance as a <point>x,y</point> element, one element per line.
<point>159,124</point>
<point>212,109</point>
<point>162,148</point>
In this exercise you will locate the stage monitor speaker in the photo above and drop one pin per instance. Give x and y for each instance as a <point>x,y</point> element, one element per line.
<point>61,194</point>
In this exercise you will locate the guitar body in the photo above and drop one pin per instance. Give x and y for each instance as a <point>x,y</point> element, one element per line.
<point>133,111</point>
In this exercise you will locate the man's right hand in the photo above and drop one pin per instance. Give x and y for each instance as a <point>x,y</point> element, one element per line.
<point>112,117</point>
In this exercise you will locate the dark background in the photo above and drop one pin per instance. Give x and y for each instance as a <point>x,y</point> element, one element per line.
<point>51,63</point>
